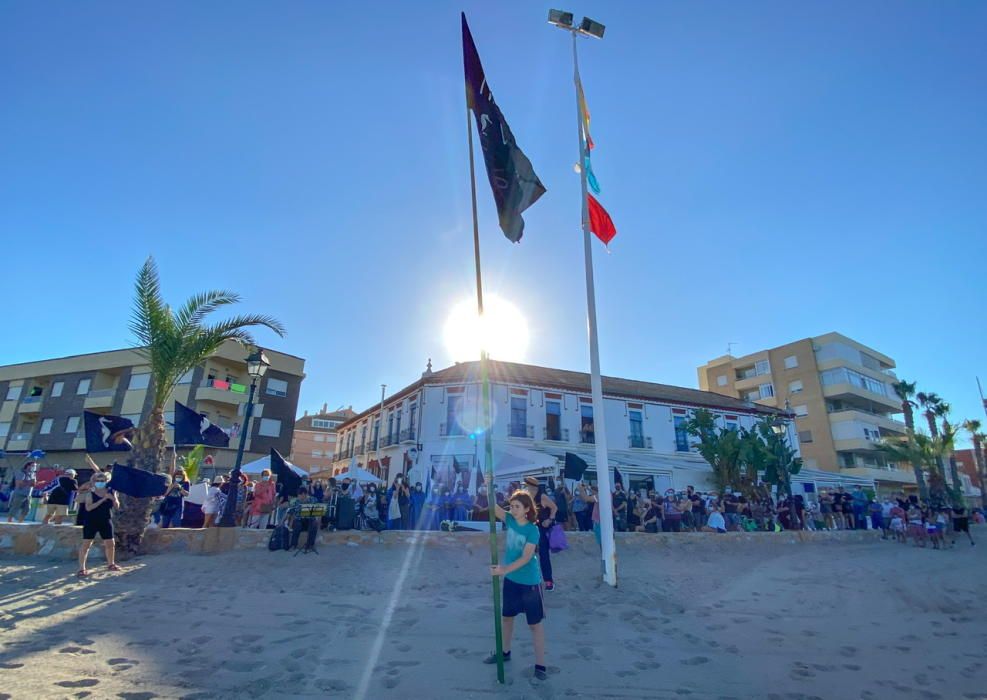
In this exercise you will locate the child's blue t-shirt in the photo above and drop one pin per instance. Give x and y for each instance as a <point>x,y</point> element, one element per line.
<point>517,537</point>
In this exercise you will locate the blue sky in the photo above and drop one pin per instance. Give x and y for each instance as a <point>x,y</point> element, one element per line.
<point>776,170</point>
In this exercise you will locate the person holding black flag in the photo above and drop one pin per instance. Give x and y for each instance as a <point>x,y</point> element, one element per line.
<point>98,503</point>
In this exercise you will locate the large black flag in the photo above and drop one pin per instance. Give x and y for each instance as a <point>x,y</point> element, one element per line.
<point>107,433</point>
<point>192,428</point>
<point>288,481</point>
<point>138,482</point>
<point>512,179</point>
<point>574,468</point>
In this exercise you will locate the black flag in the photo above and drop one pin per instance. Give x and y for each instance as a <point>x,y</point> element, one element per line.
<point>138,482</point>
<point>289,482</point>
<point>574,468</point>
<point>107,433</point>
<point>512,179</point>
<point>618,478</point>
<point>192,428</point>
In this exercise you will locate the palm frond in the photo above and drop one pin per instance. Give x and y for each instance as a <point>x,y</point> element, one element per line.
<point>198,306</point>
<point>236,326</point>
<point>150,310</point>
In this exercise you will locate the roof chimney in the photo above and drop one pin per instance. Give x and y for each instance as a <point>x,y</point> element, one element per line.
<point>325,408</point>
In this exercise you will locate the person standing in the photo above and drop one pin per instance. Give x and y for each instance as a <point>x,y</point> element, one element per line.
<point>619,508</point>
<point>417,507</point>
<point>546,511</point>
<point>522,579</point>
<point>262,505</point>
<point>20,496</point>
<point>173,505</point>
<point>398,502</point>
<point>60,497</point>
<point>98,503</point>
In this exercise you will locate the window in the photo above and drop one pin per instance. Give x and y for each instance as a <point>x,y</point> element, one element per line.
<point>721,380</point>
<point>519,416</point>
<point>730,425</point>
<point>553,420</point>
<point>277,387</point>
<point>48,422</point>
<point>56,389</point>
<point>83,387</point>
<point>762,367</point>
<point>320,423</point>
<point>791,362</point>
<point>320,438</point>
<point>363,434</point>
<point>795,387</point>
<point>805,436</point>
<point>4,429</point>
<point>186,378</point>
<point>269,427</point>
<point>586,430</point>
<point>13,393</point>
<point>135,418</point>
<point>411,418</point>
<point>681,436</point>
<point>376,431</point>
<point>139,381</point>
<point>390,427</point>
<point>454,405</point>
<point>801,410</point>
<point>72,425</point>
<point>637,428</point>
<point>316,453</point>
<point>766,391</point>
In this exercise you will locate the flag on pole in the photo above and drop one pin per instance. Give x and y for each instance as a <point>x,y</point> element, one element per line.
<point>618,478</point>
<point>288,481</point>
<point>600,222</point>
<point>107,433</point>
<point>513,181</point>
<point>574,467</point>
<point>193,428</point>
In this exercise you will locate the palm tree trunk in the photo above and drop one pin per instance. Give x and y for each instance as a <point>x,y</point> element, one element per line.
<point>923,488</point>
<point>134,515</point>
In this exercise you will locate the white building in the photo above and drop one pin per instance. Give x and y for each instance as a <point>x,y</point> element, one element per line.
<point>539,414</point>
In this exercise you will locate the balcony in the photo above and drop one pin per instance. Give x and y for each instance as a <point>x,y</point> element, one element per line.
<point>359,450</point>
<point>895,428</point>
<point>30,405</point>
<point>526,432</point>
<point>560,435</point>
<point>587,437</point>
<point>846,390</point>
<point>639,442</point>
<point>222,392</point>
<point>344,454</point>
<point>408,435</point>
<point>860,444</point>
<point>102,398</point>
<point>19,441</point>
<point>451,430</point>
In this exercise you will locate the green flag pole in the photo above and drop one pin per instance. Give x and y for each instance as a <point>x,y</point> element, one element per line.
<point>485,398</point>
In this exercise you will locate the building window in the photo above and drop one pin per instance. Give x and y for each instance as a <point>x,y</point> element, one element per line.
<point>795,387</point>
<point>48,422</point>
<point>319,438</point>
<point>519,416</point>
<point>681,436</point>
<point>791,362</point>
<point>721,380</point>
<point>762,367</point>
<point>587,432</point>
<point>766,391</point>
<point>186,378</point>
<point>83,387</point>
<point>139,381</point>
<point>376,435</point>
<point>72,425</point>
<point>553,420</point>
<point>276,387</point>
<point>454,403</point>
<point>730,425</point>
<point>269,427</point>
<point>411,418</point>
<point>4,429</point>
<point>320,423</point>
<point>390,427</point>
<point>56,389</point>
<point>13,393</point>
<point>801,410</point>
<point>805,436</point>
<point>637,428</point>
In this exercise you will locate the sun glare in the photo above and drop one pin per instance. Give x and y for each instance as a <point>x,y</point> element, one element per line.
<point>503,331</point>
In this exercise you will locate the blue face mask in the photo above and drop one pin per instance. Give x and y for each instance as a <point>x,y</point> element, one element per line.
<point>100,484</point>
<point>266,478</point>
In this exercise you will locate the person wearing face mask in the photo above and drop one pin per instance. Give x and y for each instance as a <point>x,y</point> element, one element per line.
<point>262,504</point>
<point>398,503</point>
<point>99,503</point>
<point>20,497</point>
<point>417,506</point>
<point>371,514</point>
<point>462,503</point>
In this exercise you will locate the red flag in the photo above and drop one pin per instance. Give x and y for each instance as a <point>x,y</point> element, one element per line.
<point>600,222</point>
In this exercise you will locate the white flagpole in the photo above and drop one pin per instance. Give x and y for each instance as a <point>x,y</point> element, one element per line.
<point>596,381</point>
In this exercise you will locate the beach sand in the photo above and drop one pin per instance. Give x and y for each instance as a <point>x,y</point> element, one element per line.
<point>705,618</point>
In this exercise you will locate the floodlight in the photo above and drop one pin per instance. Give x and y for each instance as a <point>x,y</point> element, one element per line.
<point>562,20</point>
<point>591,28</point>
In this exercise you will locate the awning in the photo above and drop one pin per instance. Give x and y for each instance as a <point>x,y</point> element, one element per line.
<point>830,479</point>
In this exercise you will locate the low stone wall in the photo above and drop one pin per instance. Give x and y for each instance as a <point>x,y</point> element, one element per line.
<point>62,541</point>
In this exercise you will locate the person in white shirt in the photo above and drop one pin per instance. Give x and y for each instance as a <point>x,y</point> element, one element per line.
<point>715,522</point>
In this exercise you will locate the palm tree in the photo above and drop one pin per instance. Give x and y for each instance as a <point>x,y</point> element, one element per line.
<point>905,390</point>
<point>930,401</point>
<point>973,426</point>
<point>173,343</point>
<point>920,449</point>
<point>942,410</point>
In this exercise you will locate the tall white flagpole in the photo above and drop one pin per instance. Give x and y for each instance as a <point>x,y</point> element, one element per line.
<point>596,381</point>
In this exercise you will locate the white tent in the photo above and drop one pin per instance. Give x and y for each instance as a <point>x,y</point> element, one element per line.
<point>514,463</point>
<point>362,476</point>
<point>259,465</point>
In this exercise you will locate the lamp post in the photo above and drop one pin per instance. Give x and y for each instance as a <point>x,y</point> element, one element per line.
<point>257,364</point>
<point>780,427</point>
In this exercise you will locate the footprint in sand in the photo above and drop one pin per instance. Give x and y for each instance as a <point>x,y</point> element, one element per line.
<point>75,650</point>
<point>138,696</point>
<point>391,682</point>
<point>243,639</point>
<point>852,667</point>
<point>83,683</point>
<point>695,661</point>
<point>458,653</point>
<point>330,684</point>
<point>403,647</point>
<point>646,665</point>
<point>9,665</point>
<point>852,651</point>
<point>121,660</point>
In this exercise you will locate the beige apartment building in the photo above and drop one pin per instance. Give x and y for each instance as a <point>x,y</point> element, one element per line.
<point>840,392</point>
<point>313,444</point>
<point>43,402</point>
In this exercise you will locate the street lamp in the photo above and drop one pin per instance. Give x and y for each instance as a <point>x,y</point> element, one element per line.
<point>780,427</point>
<point>257,364</point>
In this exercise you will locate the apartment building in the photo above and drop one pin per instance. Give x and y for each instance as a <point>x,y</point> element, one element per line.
<point>313,444</point>
<point>43,401</point>
<point>435,426</point>
<point>840,392</point>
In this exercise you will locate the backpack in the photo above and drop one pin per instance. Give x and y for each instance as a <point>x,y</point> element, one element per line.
<point>280,538</point>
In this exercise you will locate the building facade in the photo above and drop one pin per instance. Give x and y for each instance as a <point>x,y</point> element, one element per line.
<point>43,402</point>
<point>840,392</point>
<point>313,445</point>
<point>434,426</point>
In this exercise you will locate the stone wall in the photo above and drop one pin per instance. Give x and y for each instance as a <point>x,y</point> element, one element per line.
<point>62,541</point>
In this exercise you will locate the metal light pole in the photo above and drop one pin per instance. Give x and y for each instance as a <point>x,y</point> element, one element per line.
<point>588,27</point>
<point>780,428</point>
<point>380,429</point>
<point>257,364</point>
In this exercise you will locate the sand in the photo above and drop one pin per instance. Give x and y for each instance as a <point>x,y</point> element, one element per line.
<point>704,619</point>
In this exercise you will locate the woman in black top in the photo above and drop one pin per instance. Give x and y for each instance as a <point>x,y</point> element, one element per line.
<point>98,504</point>
<point>546,519</point>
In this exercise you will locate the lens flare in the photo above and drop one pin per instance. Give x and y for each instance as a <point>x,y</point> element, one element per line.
<point>503,332</point>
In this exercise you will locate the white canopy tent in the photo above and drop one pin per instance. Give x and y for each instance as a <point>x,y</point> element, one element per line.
<point>259,465</point>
